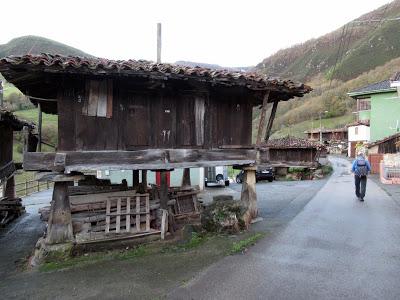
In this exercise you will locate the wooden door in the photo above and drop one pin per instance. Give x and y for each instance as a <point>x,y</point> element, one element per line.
<point>135,120</point>
<point>163,114</point>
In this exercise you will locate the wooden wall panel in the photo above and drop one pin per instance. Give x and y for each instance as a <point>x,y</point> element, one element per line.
<point>233,122</point>
<point>68,100</point>
<point>6,145</point>
<point>163,121</point>
<point>135,120</point>
<point>185,120</point>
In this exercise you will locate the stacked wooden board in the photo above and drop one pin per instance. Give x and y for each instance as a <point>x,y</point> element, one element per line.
<point>10,209</point>
<point>110,213</point>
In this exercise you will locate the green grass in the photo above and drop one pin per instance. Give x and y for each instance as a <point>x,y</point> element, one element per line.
<point>49,123</point>
<point>299,128</point>
<point>241,246</point>
<point>32,115</point>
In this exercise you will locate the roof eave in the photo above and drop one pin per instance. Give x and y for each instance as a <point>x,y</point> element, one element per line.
<point>356,94</point>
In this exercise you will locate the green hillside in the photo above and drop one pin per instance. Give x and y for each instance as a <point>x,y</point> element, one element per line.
<point>357,54</point>
<point>356,47</point>
<point>36,45</point>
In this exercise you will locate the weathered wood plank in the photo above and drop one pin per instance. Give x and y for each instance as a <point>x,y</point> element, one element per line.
<point>110,98</point>
<point>108,210</point>
<point>261,123</point>
<point>137,213</point>
<point>199,110</point>
<point>147,213</point>
<point>118,220</point>
<point>271,120</point>
<point>93,97</point>
<point>154,159</point>
<point>128,217</point>
<point>102,100</point>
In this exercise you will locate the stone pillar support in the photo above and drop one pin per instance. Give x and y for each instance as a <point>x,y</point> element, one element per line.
<point>249,195</point>
<point>10,188</point>
<point>59,229</point>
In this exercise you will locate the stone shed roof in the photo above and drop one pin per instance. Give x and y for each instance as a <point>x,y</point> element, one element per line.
<point>292,142</point>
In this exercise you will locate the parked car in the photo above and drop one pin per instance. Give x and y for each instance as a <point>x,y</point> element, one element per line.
<point>265,174</point>
<point>216,176</point>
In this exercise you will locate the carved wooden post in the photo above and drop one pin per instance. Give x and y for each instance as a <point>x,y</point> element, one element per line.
<point>144,178</point>
<point>186,177</point>
<point>135,179</point>
<point>163,190</point>
<point>249,195</point>
<point>59,229</point>
<point>10,188</point>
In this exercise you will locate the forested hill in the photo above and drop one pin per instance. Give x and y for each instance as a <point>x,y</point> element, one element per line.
<point>343,54</point>
<point>36,45</point>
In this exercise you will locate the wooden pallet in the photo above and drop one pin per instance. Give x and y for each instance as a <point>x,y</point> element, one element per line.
<point>125,208</point>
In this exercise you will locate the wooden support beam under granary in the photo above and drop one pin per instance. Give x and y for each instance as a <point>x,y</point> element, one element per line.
<point>139,115</point>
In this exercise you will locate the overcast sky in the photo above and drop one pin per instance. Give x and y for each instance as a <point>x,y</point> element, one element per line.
<point>224,32</point>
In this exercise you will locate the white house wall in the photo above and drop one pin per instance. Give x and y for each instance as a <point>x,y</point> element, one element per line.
<point>363,133</point>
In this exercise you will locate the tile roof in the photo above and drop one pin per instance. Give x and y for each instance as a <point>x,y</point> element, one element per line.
<point>378,86</point>
<point>358,123</point>
<point>292,142</point>
<point>13,67</point>
<point>325,130</point>
<point>391,137</point>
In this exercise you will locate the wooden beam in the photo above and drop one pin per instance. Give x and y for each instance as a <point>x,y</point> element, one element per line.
<point>144,178</point>
<point>271,120</point>
<point>40,117</point>
<point>163,190</point>
<point>261,123</point>
<point>151,159</point>
<point>186,177</point>
<point>135,179</point>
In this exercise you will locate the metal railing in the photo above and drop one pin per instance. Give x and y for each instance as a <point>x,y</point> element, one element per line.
<point>32,186</point>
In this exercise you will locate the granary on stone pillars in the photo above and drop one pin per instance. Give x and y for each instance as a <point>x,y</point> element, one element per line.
<point>10,205</point>
<point>140,115</point>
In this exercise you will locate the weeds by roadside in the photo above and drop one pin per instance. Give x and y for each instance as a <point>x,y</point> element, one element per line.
<point>243,245</point>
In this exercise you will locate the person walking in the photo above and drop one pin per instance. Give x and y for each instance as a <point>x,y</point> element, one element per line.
<point>360,168</point>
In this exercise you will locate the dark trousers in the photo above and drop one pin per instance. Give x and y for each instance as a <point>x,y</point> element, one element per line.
<point>361,185</point>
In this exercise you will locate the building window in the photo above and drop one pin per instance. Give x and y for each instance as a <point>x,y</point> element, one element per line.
<point>364,104</point>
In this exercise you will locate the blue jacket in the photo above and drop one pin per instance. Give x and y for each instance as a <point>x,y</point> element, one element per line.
<point>354,167</point>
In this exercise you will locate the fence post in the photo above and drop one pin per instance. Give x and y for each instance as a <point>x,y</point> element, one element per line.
<point>47,184</point>
<point>26,187</point>
<point>38,186</point>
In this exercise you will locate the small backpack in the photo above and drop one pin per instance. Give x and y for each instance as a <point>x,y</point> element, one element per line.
<point>362,169</point>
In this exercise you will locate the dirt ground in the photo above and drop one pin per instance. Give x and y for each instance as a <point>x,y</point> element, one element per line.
<point>148,272</point>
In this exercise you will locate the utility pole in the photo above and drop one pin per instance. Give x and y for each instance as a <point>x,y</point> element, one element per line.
<point>320,126</point>
<point>158,43</point>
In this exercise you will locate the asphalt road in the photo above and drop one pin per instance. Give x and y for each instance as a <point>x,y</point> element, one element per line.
<point>18,239</point>
<point>335,248</point>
